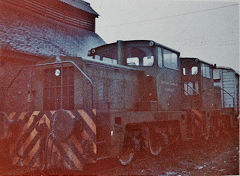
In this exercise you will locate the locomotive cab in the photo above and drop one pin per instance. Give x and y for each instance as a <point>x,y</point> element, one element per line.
<point>155,95</point>
<point>160,65</point>
<point>197,84</point>
<point>200,100</point>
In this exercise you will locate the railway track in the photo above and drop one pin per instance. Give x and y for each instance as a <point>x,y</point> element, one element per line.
<point>187,159</point>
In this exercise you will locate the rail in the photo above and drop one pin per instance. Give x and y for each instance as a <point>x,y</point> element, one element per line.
<point>229,95</point>
<point>192,89</point>
<point>73,63</point>
<point>78,68</point>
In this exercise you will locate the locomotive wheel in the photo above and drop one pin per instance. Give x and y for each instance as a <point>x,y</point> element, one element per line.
<point>126,157</point>
<point>155,144</point>
<point>127,154</point>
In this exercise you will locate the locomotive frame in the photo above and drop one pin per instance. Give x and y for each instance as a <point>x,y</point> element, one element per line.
<point>112,109</point>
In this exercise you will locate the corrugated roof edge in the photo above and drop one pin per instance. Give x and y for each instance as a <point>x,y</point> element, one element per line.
<point>80,4</point>
<point>228,68</point>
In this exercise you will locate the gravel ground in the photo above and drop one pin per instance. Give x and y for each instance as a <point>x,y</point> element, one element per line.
<point>219,157</point>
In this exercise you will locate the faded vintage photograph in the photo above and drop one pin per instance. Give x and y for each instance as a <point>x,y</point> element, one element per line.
<point>119,88</point>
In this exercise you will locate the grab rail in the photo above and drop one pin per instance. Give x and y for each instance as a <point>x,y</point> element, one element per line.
<point>78,68</point>
<point>55,63</point>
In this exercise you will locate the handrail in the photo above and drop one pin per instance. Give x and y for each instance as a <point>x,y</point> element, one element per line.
<point>73,63</point>
<point>78,68</point>
<point>229,95</point>
<point>192,89</point>
<point>12,81</point>
<point>55,63</point>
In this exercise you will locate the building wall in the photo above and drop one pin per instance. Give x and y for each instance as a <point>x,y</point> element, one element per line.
<point>37,34</point>
<point>31,29</point>
<point>12,76</point>
<point>57,11</point>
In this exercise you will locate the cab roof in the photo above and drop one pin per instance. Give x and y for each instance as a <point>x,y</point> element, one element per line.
<point>194,59</point>
<point>93,51</point>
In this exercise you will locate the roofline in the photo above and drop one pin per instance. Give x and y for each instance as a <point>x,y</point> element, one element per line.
<point>91,10</point>
<point>217,67</point>
<point>20,56</point>
<point>227,68</point>
<point>129,41</point>
<point>197,59</point>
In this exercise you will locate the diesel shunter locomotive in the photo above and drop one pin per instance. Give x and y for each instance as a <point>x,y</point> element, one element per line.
<point>130,96</point>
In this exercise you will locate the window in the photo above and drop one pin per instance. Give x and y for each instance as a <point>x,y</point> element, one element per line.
<point>190,71</point>
<point>184,71</point>
<point>109,60</point>
<point>194,70</point>
<point>160,58</point>
<point>216,74</point>
<point>148,61</point>
<point>170,59</point>
<point>190,88</point>
<point>139,56</point>
<point>206,71</point>
<point>196,87</point>
<point>53,89</point>
<point>105,59</point>
<point>133,61</point>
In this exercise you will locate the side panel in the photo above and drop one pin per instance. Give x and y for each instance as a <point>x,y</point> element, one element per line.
<point>207,90</point>
<point>169,89</point>
<point>115,89</point>
<point>119,121</point>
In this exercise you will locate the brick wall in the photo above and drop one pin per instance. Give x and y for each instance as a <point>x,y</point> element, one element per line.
<point>36,34</point>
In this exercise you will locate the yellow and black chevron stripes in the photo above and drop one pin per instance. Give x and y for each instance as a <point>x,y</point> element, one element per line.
<point>70,154</point>
<point>88,120</point>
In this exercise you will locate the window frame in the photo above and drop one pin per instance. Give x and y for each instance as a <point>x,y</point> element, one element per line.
<point>191,90</point>
<point>204,70</point>
<point>177,59</point>
<point>157,54</point>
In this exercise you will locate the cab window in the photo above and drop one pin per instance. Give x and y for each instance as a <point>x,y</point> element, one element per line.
<point>206,71</point>
<point>194,70</point>
<point>148,61</point>
<point>191,88</point>
<point>133,61</point>
<point>190,71</point>
<point>160,57</point>
<point>139,56</point>
<point>170,59</point>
